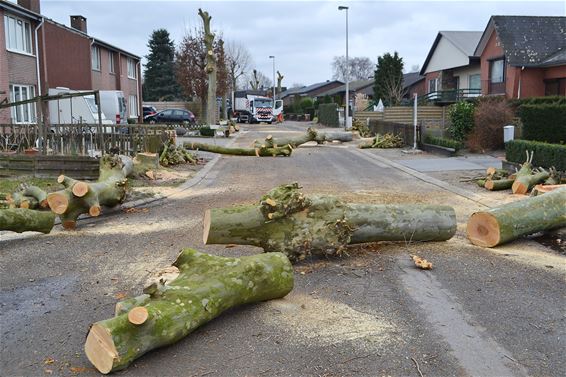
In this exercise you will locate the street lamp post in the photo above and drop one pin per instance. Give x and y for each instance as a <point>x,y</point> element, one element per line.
<point>273,57</point>
<point>346,113</point>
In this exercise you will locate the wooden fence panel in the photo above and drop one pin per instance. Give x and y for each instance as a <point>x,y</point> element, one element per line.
<point>78,167</point>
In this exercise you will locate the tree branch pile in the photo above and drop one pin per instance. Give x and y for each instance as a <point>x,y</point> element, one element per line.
<point>520,218</point>
<point>26,196</point>
<point>198,288</point>
<point>175,155</point>
<point>81,197</point>
<point>286,220</point>
<point>362,128</point>
<point>388,140</point>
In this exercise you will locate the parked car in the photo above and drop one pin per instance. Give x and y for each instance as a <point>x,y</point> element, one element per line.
<point>175,116</point>
<point>149,110</point>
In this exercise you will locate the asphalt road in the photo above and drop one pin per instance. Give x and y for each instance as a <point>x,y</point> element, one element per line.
<point>478,312</point>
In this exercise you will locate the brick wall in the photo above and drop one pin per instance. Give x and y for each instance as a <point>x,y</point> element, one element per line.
<point>4,113</point>
<point>104,79</point>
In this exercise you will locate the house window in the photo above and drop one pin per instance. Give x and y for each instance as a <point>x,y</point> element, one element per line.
<point>556,87</point>
<point>497,71</point>
<point>132,69</point>
<point>23,113</point>
<point>18,34</point>
<point>95,58</point>
<point>433,85</point>
<point>474,82</point>
<point>110,62</point>
<point>133,101</point>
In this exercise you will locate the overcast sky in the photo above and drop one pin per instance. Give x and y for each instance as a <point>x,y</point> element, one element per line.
<point>304,36</point>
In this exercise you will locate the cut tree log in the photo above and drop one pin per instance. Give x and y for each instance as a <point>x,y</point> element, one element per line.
<point>498,184</point>
<point>520,218</point>
<point>28,197</point>
<point>287,221</point>
<point>523,183</point>
<point>88,197</point>
<point>285,150</point>
<point>312,134</point>
<point>205,286</point>
<point>542,189</point>
<point>22,220</point>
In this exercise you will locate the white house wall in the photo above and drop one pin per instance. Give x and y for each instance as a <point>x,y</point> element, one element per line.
<point>446,56</point>
<point>465,72</point>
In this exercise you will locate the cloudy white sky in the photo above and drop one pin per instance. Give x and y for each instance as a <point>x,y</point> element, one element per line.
<point>304,36</point>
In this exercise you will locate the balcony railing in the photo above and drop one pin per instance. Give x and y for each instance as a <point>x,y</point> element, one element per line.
<point>449,96</point>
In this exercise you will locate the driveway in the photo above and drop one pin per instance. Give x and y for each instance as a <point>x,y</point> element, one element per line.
<point>478,312</point>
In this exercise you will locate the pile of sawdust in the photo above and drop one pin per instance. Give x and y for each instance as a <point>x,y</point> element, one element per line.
<point>327,322</point>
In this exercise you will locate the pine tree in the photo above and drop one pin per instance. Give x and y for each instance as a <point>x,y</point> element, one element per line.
<point>388,79</point>
<point>160,80</point>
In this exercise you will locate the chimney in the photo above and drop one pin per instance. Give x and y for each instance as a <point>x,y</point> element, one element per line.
<point>32,5</point>
<point>79,23</point>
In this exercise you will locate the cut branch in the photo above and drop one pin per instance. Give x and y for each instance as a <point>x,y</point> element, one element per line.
<point>205,287</point>
<point>21,220</point>
<point>312,134</point>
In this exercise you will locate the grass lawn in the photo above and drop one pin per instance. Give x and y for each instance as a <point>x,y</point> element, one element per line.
<point>10,184</point>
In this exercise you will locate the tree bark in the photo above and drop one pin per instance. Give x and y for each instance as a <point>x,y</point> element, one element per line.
<point>520,218</point>
<point>523,183</point>
<point>258,151</point>
<point>205,287</point>
<point>498,184</point>
<point>28,197</point>
<point>312,134</point>
<point>289,222</point>
<point>210,68</point>
<point>80,197</point>
<point>21,220</point>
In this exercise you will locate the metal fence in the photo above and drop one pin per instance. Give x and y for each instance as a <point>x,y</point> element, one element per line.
<point>85,139</point>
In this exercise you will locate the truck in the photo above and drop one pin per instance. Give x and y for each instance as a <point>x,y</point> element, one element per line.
<point>113,105</point>
<point>75,110</point>
<point>250,107</point>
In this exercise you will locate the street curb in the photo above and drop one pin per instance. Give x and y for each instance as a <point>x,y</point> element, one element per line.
<point>423,177</point>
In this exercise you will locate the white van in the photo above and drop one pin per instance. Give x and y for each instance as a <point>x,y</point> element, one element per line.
<point>113,105</point>
<point>74,110</point>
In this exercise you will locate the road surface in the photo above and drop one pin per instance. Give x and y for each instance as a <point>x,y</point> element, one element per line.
<point>478,312</point>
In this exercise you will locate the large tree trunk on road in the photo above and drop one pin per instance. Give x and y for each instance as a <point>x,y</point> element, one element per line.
<point>83,197</point>
<point>22,220</point>
<point>259,151</point>
<point>287,221</point>
<point>312,134</point>
<point>205,287</point>
<point>520,218</point>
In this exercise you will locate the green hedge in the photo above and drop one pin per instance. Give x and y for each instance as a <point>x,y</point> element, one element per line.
<point>545,155</point>
<point>544,122</point>
<point>443,142</point>
<point>328,115</point>
<point>560,100</point>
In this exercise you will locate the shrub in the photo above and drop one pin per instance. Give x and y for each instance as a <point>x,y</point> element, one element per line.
<point>443,142</point>
<point>328,114</point>
<point>490,116</point>
<point>560,100</point>
<point>545,154</point>
<point>461,119</point>
<point>206,131</point>
<point>306,103</point>
<point>544,122</point>
<point>132,120</point>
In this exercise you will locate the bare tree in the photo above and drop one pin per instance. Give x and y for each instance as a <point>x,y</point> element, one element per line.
<point>257,80</point>
<point>394,90</point>
<point>238,62</point>
<point>361,68</point>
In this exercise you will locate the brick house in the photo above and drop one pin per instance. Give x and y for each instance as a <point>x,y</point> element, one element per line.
<point>310,91</point>
<point>69,57</point>
<point>451,69</point>
<point>19,65</point>
<point>523,56</point>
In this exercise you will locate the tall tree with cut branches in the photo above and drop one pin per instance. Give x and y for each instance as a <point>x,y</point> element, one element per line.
<point>360,68</point>
<point>257,80</point>
<point>388,79</point>
<point>160,81</point>
<point>192,68</point>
